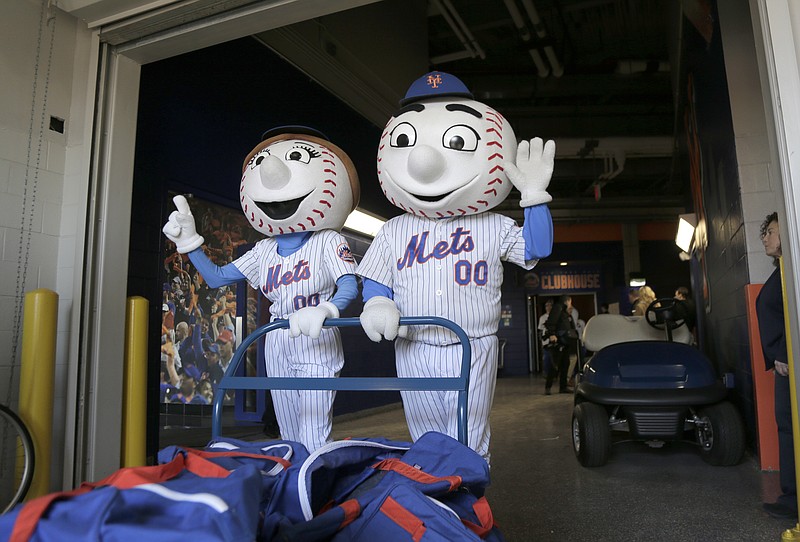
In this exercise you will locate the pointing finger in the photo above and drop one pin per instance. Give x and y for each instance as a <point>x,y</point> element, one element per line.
<point>182,205</point>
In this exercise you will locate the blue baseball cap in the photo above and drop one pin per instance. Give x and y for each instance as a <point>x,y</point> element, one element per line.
<point>293,129</point>
<point>435,84</point>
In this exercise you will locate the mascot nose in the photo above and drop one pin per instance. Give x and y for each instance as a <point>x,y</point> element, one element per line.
<point>425,164</point>
<point>274,173</point>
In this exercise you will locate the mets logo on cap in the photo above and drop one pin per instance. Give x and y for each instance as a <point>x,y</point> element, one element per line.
<point>435,84</point>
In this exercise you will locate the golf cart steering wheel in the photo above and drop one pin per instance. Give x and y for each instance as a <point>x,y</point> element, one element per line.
<point>664,313</point>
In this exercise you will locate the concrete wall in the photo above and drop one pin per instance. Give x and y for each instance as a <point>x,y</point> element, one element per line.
<point>46,59</point>
<point>739,187</point>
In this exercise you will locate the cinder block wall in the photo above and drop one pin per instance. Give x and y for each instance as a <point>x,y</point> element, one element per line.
<point>44,118</point>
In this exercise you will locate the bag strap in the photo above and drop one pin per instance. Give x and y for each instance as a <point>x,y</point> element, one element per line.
<point>403,518</point>
<point>233,453</point>
<point>125,478</point>
<point>417,475</point>
<point>485,517</point>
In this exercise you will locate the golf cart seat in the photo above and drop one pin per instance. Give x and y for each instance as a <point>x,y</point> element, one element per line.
<point>606,329</point>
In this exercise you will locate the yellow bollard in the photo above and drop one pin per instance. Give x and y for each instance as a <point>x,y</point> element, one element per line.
<point>791,534</point>
<point>37,380</point>
<point>134,397</point>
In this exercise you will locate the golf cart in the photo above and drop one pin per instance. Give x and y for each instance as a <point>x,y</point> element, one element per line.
<point>647,381</point>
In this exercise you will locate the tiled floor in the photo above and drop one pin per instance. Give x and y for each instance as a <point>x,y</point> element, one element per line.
<point>540,492</point>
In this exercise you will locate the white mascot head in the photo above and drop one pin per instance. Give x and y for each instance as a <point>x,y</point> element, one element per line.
<point>440,155</point>
<point>296,180</point>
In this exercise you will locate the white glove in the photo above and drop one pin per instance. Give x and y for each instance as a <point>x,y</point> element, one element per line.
<point>309,320</point>
<point>180,228</point>
<point>381,318</point>
<point>532,171</point>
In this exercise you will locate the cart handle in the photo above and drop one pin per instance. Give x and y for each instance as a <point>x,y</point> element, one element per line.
<point>459,383</point>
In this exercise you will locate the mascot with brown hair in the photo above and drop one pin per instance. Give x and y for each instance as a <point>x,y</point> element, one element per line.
<point>297,188</point>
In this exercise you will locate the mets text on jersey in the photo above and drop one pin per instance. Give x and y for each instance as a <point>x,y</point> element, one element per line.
<point>460,241</point>
<point>275,279</point>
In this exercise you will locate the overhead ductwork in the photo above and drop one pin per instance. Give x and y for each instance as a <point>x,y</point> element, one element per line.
<point>542,69</point>
<point>472,48</point>
<point>541,33</point>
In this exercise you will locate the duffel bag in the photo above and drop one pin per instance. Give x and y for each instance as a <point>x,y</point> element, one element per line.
<point>187,498</point>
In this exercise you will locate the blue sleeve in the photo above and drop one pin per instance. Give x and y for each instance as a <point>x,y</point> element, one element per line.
<point>372,289</point>
<point>346,291</point>
<point>537,230</point>
<point>214,275</point>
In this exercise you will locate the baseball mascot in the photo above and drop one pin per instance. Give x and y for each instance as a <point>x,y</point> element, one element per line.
<point>297,188</point>
<point>446,160</point>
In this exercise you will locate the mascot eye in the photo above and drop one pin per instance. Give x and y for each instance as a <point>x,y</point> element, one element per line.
<point>256,160</point>
<point>403,135</point>
<point>460,138</point>
<point>299,154</point>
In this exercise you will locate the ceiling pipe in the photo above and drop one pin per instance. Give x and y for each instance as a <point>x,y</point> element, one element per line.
<point>519,22</point>
<point>558,70</point>
<point>456,23</point>
<point>541,67</point>
<point>541,33</point>
<point>618,158</point>
<point>457,17</point>
<point>455,28</point>
<point>533,15</point>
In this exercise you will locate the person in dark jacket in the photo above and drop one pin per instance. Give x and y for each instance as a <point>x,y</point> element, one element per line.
<point>769,311</point>
<point>686,307</point>
<point>561,332</point>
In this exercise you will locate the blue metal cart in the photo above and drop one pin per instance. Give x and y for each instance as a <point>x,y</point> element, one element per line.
<point>459,383</point>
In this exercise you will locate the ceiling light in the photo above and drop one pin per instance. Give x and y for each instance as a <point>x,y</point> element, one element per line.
<point>636,279</point>
<point>563,264</point>
<point>686,226</point>
<point>364,222</point>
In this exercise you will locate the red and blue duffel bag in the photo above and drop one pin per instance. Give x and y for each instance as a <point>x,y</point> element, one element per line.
<point>434,491</point>
<point>188,497</point>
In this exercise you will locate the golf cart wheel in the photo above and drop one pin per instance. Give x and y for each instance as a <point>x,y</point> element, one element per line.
<point>721,435</point>
<point>591,436</point>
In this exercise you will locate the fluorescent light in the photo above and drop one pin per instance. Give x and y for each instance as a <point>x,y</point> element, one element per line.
<point>637,282</point>
<point>364,222</point>
<point>685,236</point>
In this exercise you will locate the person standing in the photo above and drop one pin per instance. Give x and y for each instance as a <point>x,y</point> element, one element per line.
<point>544,337</point>
<point>645,296</point>
<point>562,333</point>
<point>769,312</point>
<point>688,308</point>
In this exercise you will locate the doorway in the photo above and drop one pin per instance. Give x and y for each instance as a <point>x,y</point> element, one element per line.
<point>584,303</point>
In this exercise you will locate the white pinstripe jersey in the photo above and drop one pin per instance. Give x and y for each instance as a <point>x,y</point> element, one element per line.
<point>448,267</point>
<point>302,279</point>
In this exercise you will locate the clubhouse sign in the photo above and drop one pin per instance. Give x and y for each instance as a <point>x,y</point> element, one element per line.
<point>558,280</point>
